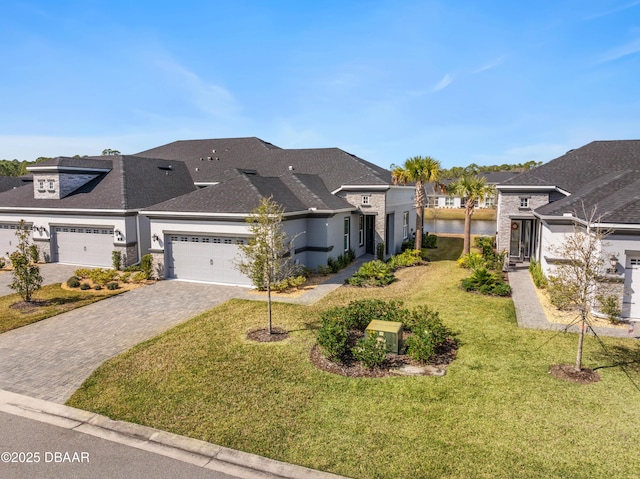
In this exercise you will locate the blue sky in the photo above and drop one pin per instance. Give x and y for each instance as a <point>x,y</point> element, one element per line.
<point>463,81</point>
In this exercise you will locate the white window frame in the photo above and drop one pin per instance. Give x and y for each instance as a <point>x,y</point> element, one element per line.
<point>449,201</point>
<point>52,185</point>
<point>524,202</point>
<point>346,231</point>
<point>405,225</point>
<point>40,185</point>
<point>366,200</point>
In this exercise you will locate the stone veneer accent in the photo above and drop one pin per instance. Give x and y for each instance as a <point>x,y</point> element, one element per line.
<point>129,254</point>
<point>64,183</point>
<point>377,206</point>
<point>508,206</point>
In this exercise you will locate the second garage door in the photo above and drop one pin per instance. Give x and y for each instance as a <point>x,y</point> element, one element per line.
<point>82,246</point>
<point>204,258</point>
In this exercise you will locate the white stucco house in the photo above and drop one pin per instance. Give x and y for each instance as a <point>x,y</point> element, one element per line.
<point>186,203</point>
<point>538,208</point>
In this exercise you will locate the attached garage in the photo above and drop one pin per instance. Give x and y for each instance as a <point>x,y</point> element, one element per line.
<point>632,287</point>
<point>204,258</point>
<point>8,238</point>
<point>82,246</point>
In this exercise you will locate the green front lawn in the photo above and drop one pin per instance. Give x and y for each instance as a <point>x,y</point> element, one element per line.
<point>496,413</point>
<point>56,300</point>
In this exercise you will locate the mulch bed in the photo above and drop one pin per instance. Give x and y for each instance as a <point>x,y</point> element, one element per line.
<point>351,368</point>
<point>567,372</point>
<point>262,335</point>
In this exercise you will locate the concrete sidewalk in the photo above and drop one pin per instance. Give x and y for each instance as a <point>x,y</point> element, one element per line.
<point>529,312</point>
<point>192,451</point>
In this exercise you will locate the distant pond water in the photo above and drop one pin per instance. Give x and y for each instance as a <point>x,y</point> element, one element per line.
<point>478,227</point>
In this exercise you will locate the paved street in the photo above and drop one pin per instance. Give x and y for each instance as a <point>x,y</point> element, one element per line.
<point>50,359</point>
<point>96,457</point>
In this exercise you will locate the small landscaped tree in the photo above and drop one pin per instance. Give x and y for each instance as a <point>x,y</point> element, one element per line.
<point>266,258</point>
<point>26,273</point>
<point>574,284</point>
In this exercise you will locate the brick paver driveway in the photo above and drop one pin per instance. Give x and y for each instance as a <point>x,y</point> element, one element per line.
<point>50,359</point>
<point>50,272</point>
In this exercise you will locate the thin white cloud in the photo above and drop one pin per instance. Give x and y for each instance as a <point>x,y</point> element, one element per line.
<point>444,83</point>
<point>622,51</point>
<point>210,98</point>
<point>621,8</point>
<point>492,64</point>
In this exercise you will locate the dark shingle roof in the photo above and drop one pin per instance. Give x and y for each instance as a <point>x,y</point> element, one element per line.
<point>579,167</point>
<point>242,192</point>
<point>604,175</point>
<point>131,183</point>
<point>211,160</point>
<point>10,182</point>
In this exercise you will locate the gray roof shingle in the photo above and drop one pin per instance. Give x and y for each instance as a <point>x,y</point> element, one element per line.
<point>131,183</point>
<point>212,160</point>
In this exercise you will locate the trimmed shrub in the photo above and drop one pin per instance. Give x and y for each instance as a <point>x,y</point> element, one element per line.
<point>102,276</point>
<point>429,241</point>
<point>410,257</point>
<point>85,286</point>
<point>380,251</point>
<point>610,305</point>
<point>112,286</point>
<point>537,275</point>
<point>358,314</point>
<point>324,270</point>
<point>333,264</point>
<point>484,244</point>
<point>97,287</point>
<point>73,282</point>
<point>124,276</point>
<point>370,351</point>
<point>372,273</point>
<point>3,262</point>
<point>429,333</point>
<point>82,272</point>
<point>138,277</point>
<point>333,335</point>
<point>116,259</point>
<point>34,253</point>
<point>471,261</point>
<point>146,266</point>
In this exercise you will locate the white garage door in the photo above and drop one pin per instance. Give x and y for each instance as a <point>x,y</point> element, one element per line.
<point>82,246</point>
<point>632,287</point>
<point>8,238</point>
<point>204,258</point>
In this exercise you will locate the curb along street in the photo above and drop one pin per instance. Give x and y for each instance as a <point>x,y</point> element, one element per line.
<point>192,451</point>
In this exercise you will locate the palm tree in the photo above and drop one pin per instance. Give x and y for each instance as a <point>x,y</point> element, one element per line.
<point>420,170</point>
<point>471,189</point>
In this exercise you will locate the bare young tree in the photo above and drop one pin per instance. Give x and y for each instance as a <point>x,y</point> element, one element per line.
<point>26,273</point>
<point>575,283</point>
<point>267,259</point>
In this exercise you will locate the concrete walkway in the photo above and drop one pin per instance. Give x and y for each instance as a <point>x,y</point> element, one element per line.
<point>529,312</point>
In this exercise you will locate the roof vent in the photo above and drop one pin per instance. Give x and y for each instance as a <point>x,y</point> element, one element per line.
<point>166,168</point>
<point>291,168</point>
<point>567,214</point>
<point>213,151</point>
<point>201,159</point>
<point>249,172</point>
<point>209,158</point>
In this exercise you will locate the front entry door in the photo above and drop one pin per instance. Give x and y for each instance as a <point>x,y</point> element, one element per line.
<point>370,234</point>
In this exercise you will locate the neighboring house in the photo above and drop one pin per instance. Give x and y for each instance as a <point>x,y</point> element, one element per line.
<point>437,196</point>
<point>333,201</point>
<point>81,209</point>
<point>187,202</point>
<point>538,208</point>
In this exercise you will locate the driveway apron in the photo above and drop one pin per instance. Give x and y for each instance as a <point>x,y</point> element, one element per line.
<point>50,359</point>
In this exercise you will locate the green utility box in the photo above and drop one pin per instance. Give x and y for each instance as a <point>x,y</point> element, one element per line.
<point>388,331</point>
